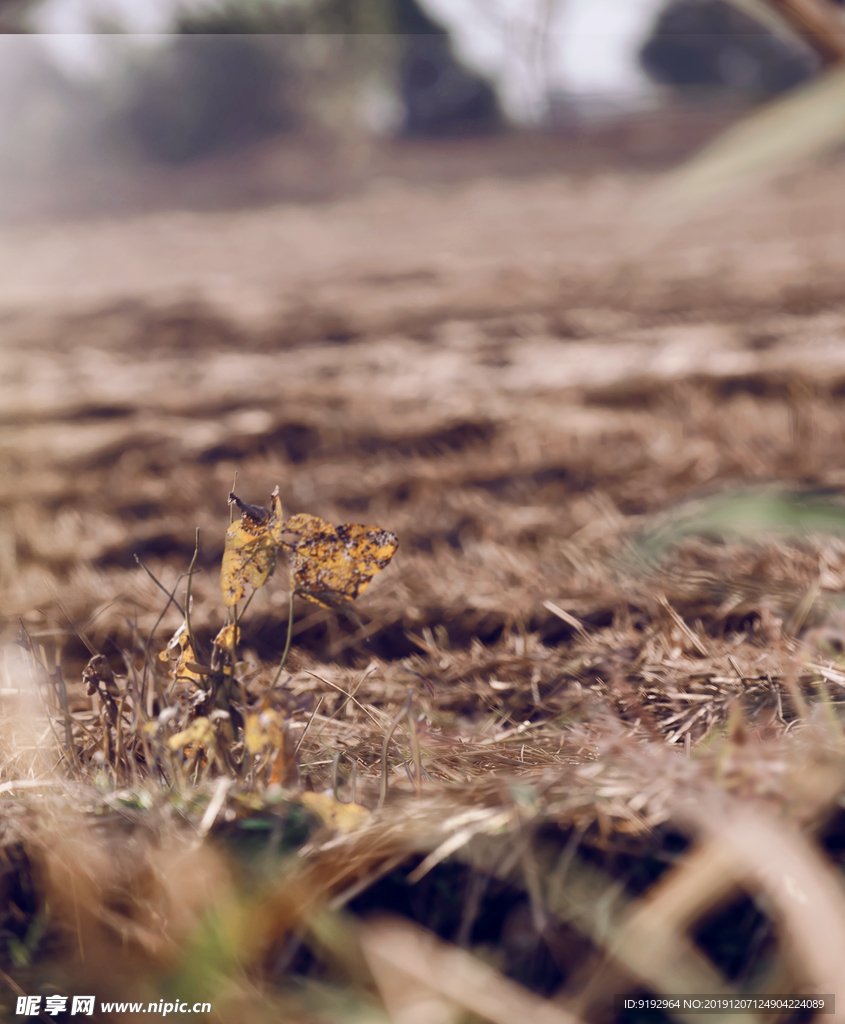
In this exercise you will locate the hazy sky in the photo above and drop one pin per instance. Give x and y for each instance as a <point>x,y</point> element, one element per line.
<point>585,46</point>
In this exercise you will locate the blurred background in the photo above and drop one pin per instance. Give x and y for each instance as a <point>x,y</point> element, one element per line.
<point>106,104</point>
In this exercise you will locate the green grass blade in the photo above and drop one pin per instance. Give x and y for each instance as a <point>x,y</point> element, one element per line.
<point>808,122</point>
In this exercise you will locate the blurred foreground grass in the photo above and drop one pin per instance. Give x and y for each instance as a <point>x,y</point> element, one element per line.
<point>527,863</point>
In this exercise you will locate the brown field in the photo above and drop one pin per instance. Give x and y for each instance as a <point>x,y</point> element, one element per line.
<point>505,375</point>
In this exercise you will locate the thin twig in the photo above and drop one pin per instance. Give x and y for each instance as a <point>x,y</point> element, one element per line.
<point>351,696</point>
<point>415,742</point>
<point>148,663</point>
<point>38,663</point>
<point>335,765</point>
<point>188,628</point>
<point>170,596</point>
<point>76,629</point>
<point>307,725</point>
<point>388,737</point>
<point>348,696</point>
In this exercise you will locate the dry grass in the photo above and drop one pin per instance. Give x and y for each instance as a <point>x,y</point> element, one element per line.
<point>607,771</point>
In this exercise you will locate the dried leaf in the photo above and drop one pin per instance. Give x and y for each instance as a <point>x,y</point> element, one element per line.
<point>167,654</point>
<point>268,729</point>
<point>247,559</point>
<point>98,676</point>
<point>263,729</point>
<point>185,659</point>
<point>249,556</point>
<point>335,562</point>
<point>339,816</point>
<point>226,637</point>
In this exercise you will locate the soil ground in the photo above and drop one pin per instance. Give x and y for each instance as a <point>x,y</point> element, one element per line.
<point>495,370</point>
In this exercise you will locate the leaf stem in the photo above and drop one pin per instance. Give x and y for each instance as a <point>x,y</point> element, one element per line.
<point>290,635</point>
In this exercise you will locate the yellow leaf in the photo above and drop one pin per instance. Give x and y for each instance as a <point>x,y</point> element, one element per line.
<point>339,816</point>
<point>249,556</point>
<point>183,670</point>
<point>226,637</point>
<point>246,559</point>
<point>263,729</point>
<point>331,562</point>
<point>331,565</point>
<point>199,731</point>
